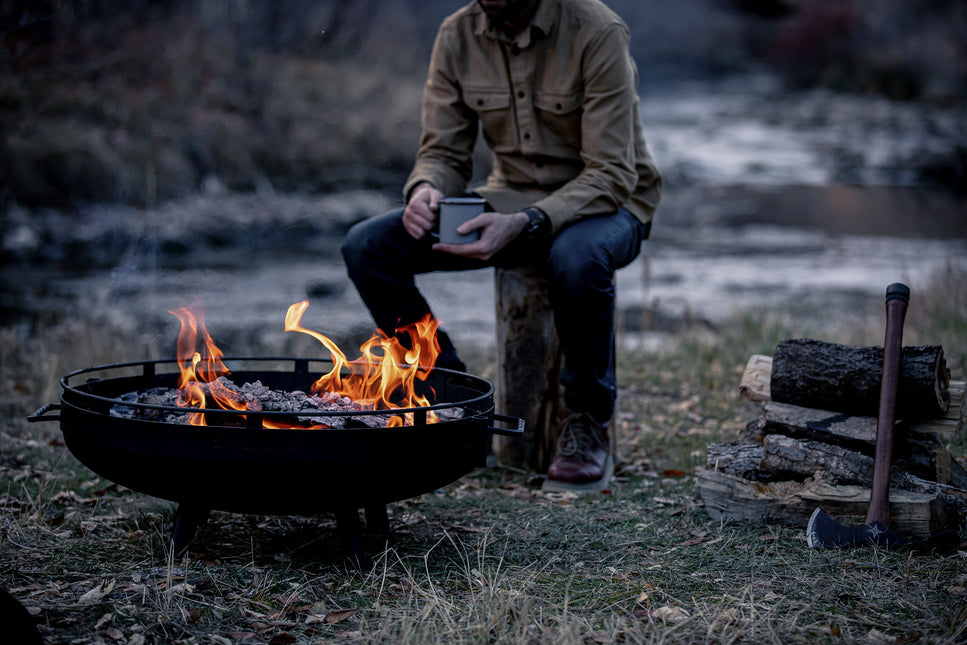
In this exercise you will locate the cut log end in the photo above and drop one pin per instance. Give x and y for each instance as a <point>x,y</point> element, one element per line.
<point>829,376</point>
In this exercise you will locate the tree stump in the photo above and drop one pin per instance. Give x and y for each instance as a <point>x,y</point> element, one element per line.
<point>815,374</point>
<point>529,362</point>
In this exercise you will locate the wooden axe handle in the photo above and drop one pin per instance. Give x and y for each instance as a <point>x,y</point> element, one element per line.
<point>897,298</point>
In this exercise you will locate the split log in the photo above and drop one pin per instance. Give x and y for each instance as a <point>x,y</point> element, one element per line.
<point>754,386</point>
<point>914,514</point>
<point>822,425</point>
<point>918,453</point>
<point>786,457</point>
<point>740,459</point>
<point>790,458</point>
<point>776,457</point>
<point>817,374</point>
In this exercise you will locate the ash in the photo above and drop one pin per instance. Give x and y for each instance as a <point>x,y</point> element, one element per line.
<point>306,410</point>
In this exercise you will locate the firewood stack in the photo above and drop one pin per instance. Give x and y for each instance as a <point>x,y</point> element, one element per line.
<point>813,444</point>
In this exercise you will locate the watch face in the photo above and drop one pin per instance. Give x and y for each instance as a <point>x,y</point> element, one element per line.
<point>536,221</point>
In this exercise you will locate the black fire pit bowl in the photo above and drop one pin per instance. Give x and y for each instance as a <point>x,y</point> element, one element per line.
<point>240,467</point>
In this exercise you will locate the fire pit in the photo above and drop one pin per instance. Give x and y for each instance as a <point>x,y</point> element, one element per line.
<point>258,461</point>
<point>238,466</point>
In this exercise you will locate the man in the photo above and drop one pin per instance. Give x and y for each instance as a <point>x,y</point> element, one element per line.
<point>572,191</point>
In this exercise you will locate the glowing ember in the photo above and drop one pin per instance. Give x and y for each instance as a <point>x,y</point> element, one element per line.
<point>382,378</point>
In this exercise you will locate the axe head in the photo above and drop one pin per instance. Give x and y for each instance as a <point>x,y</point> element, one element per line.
<point>824,531</point>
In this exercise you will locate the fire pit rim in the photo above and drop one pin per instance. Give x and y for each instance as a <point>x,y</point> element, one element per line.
<point>300,365</point>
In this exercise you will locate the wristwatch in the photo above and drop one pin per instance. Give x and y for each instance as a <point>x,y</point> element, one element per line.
<point>538,223</point>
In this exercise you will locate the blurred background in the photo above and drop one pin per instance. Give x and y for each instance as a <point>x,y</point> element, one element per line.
<point>813,152</point>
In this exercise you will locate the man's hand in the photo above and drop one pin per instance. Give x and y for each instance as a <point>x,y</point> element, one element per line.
<point>497,230</point>
<point>422,211</point>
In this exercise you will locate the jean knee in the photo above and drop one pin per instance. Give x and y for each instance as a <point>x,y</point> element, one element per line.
<point>579,274</point>
<point>353,244</point>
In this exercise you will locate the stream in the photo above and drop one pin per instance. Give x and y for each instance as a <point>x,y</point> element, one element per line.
<point>810,200</point>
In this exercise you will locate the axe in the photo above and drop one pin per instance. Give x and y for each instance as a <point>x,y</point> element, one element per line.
<point>822,530</point>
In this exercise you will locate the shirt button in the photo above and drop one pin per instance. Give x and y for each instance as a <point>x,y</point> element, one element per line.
<point>520,95</point>
<point>515,50</point>
<point>527,135</point>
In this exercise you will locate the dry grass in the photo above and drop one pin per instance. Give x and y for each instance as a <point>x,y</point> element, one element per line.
<point>489,558</point>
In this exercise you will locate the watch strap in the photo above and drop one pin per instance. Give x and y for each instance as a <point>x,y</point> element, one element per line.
<point>539,224</point>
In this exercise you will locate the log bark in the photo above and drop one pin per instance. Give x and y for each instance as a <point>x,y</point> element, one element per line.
<point>777,457</point>
<point>754,386</point>
<point>529,364</point>
<point>920,454</point>
<point>829,376</point>
<point>740,459</point>
<point>857,432</point>
<point>790,458</point>
<point>914,514</point>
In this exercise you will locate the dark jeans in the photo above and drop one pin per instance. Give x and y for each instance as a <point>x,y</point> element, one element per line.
<point>382,260</point>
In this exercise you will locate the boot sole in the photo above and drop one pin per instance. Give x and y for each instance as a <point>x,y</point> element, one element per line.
<point>556,486</point>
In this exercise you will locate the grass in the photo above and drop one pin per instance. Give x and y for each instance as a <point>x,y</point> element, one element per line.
<point>490,558</point>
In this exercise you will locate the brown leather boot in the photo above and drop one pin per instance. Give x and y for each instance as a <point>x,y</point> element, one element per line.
<point>583,459</point>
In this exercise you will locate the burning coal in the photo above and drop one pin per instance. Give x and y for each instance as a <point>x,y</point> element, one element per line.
<point>383,377</point>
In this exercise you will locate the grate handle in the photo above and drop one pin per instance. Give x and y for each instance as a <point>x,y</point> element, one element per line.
<point>508,432</point>
<point>41,414</point>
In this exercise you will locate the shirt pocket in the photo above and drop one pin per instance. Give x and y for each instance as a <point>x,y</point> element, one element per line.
<point>493,109</point>
<point>560,116</point>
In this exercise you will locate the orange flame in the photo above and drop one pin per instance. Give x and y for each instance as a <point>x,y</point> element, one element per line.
<point>383,378</point>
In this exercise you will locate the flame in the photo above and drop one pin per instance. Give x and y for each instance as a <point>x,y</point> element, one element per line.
<point>382,378</point>
<point>385,375</point>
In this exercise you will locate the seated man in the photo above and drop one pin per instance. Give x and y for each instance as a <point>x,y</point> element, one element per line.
<point>572,191</point>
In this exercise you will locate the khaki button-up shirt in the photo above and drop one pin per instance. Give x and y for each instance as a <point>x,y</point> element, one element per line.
<point>559,110</point>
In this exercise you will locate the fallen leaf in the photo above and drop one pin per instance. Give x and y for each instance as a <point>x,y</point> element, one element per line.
<point>670,614</point>
<point>103,620</point>
<point>97,593</point>
<point>674,472</point>
<point>339,615</point>
<point>878,637</point>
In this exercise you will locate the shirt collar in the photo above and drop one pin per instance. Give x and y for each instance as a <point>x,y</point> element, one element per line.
<point>542,22</point>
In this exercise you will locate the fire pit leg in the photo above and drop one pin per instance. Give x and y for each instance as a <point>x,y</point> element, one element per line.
<point>350,534</point>
<point>187,520</point>
<point>377,520</point>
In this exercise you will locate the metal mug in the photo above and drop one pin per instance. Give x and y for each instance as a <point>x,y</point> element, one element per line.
<point>454,211</point>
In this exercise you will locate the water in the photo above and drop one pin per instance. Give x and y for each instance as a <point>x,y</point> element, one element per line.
<point>770,199</point>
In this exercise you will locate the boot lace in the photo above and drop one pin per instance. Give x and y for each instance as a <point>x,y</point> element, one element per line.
<point>577,435</point>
